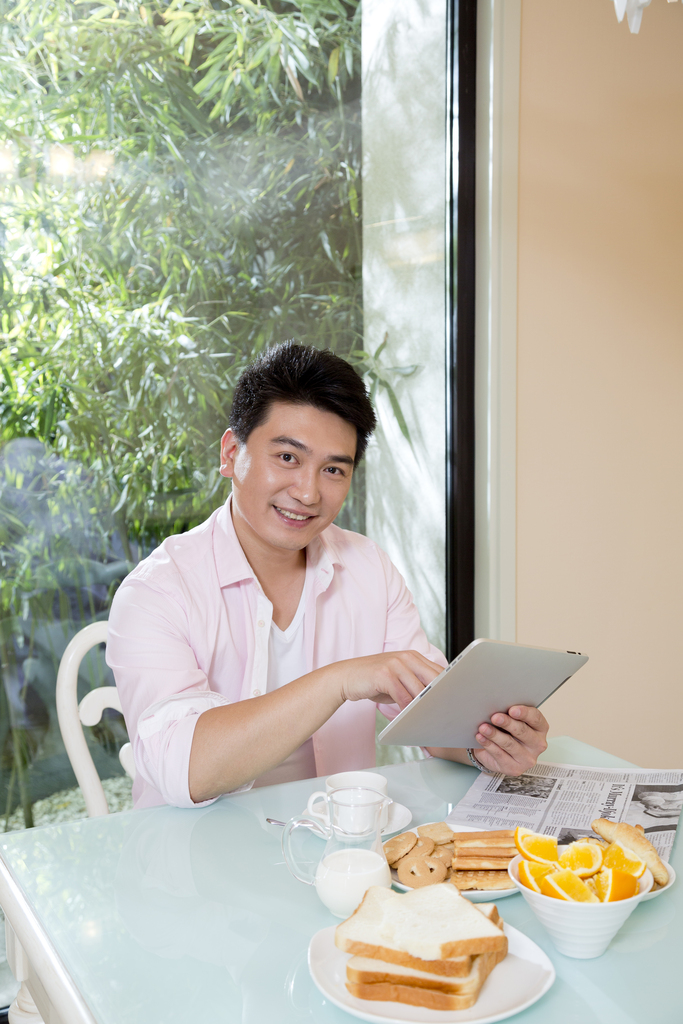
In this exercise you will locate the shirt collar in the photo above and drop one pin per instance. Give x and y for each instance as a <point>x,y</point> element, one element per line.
<point>231,562</point>
<point>232,566</point>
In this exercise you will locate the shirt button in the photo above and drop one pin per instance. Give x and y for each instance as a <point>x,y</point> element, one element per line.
<point>260,623</point>
<point>257,693</point>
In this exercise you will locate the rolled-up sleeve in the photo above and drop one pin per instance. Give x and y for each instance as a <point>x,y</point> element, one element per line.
<point>163,690</point>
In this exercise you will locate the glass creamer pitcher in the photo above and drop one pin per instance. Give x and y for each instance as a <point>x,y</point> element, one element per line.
<point>353,858</point>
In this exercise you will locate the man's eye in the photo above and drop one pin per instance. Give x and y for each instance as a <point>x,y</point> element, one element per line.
<point>286,456</point>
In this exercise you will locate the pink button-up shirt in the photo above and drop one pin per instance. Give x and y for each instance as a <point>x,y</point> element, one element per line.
<point>188,631</point>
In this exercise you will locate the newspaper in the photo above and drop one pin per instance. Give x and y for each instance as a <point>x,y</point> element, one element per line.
<point>563,799</point>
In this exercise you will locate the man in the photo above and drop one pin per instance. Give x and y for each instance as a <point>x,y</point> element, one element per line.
<point>254,648</point>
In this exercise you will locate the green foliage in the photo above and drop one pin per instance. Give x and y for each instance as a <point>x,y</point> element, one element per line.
<point>179,188</point>
<point>185,193</point>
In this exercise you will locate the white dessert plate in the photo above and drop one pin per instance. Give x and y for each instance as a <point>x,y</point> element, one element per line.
<point>658,892</point>
<point>520,980</point>
<point>473,895</point>
<point>399,818</point>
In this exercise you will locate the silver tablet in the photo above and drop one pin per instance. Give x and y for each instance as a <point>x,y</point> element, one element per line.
<point>488,676</point>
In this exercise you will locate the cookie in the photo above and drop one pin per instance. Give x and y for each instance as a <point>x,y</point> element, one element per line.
<point>399,846</point>
<point>444,853</point>
<point>419,871</point>
<point>424,847</point>
<point>438,831</point>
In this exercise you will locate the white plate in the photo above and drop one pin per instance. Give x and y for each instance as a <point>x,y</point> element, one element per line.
<point>399,818</point>
<point>473,895</point>
<point>521,979</point>
<point>658,892</point>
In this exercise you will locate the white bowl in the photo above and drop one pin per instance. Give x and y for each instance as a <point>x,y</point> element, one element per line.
<point>658,892</point>
<point>580,930</point>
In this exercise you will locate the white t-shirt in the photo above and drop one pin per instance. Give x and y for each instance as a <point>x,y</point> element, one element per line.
<point>287,661</point>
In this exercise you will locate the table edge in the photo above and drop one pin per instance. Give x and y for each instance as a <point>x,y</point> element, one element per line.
<point>58,983</point>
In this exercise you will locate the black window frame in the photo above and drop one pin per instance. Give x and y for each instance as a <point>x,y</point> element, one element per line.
<point>460,322</point>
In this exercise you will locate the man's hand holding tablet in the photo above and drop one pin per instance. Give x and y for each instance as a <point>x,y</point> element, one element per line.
<point>512,748</point>
<point>484,706</point>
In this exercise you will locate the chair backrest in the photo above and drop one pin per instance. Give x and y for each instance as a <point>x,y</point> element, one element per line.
<point>89,712</point>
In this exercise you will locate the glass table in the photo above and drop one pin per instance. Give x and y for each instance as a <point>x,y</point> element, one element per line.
<point>166,916</point>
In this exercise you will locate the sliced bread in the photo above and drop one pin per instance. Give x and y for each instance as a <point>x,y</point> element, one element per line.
<point>361,970</point>
<point>432,923</point>
<point>432,999</point>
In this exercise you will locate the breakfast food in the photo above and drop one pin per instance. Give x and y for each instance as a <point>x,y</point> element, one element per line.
<point>585,872</point>
<point>444,853</point>
<point>531,873</point>
<point>472,860</point>
<point>429,947</point>
<point>461,863</point>
<point>633,839</point>
<point>612,884</point>
<point>483,880</point>
<point>418,871</point>
<point>398,847</point>
<point>584,859</point>
<point>439,831</point>
<point>564,884</point>
<point>424,846</point>
<point>533,846</point>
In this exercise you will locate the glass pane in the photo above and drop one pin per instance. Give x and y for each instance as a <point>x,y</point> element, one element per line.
<point>180,187</point>
<point>404,217</point>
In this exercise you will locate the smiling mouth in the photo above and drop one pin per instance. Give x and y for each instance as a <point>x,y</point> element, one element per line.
<point>292,515</point>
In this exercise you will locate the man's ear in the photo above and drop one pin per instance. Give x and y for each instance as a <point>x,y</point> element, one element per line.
<point>229,446</point>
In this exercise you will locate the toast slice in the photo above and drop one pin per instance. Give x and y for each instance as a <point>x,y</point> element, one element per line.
<point>416,992</point>
<point>411,996</point>
<point>361,970</point>
<point>434,923</point>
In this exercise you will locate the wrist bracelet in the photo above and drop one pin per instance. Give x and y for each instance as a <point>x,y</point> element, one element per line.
<point>476,763</point>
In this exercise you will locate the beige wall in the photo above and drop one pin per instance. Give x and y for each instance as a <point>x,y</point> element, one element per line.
<point>600,368</point>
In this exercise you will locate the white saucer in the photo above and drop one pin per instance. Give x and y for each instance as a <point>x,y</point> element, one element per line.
<point>473,895</point>
<point>399,818</point>
<point>658,892</point>
<point>521,979</point>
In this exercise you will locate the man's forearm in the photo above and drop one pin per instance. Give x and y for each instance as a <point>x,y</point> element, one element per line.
<point>236,743</point>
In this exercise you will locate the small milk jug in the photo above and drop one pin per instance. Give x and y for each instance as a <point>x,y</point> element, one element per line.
<point>353,858</point>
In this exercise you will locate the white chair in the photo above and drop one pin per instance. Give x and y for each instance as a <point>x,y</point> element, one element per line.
<point>72,716</point>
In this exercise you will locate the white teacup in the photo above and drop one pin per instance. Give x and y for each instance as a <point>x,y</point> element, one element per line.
<point>317,803</point>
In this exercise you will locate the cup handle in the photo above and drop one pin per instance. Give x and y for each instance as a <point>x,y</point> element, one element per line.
<point>311,802</point>
<point>290,860</point>
<point>384,813</point>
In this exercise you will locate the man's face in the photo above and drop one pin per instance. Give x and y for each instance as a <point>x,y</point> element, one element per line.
<point>290,478</point>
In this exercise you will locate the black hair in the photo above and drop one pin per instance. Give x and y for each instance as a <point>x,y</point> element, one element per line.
<point>302,375</point>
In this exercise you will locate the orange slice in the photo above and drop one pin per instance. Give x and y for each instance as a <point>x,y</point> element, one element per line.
<point>617,857</point>
<point>584,859</point>
<point>590,882</point>
<point>531,873</point>
<point>533,846</point>
<point>613,885</point>
<point>565,885</point>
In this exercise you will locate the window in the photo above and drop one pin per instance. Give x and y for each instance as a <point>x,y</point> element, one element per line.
<point>181,185</point>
